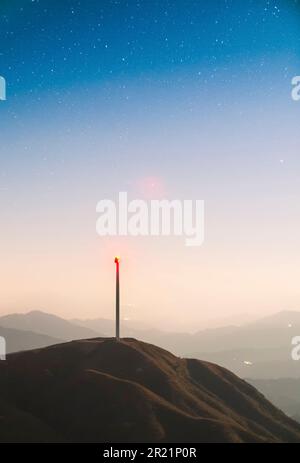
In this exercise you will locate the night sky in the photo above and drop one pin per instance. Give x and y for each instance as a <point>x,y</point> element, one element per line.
<point>52,45</point>
<point>188,99</point>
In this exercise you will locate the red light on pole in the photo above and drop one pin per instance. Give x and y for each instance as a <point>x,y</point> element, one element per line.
<point>117,262</point>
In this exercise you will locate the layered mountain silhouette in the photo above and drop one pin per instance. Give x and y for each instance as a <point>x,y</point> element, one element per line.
<point>18,340</point>
<point>39,329</point>
<point>260,349</point>
<point>100,390</point>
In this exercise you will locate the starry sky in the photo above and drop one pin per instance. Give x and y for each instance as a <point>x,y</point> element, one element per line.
<point>178,99</point>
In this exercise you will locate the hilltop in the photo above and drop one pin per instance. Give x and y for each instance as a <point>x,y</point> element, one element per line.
<point>99,390</point>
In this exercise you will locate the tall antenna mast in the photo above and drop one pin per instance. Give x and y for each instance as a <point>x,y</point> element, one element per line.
<point>117,262</point>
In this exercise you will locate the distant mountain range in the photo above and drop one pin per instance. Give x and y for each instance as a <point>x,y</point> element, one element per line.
<point>45,323</point>
<point>283,392</point>
<point>18,340</point>
<point>101,390</point>
<point>261,349</point>
<point>39,329</point>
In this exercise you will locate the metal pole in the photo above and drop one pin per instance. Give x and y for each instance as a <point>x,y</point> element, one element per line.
<point>117,261</point>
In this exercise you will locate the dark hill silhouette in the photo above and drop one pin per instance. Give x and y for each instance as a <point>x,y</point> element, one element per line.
<point>99,390</point>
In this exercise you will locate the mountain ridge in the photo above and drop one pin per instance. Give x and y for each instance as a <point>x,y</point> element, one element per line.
<point>100,390</point>
<point>47,324</point>
<point>257,350</point>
